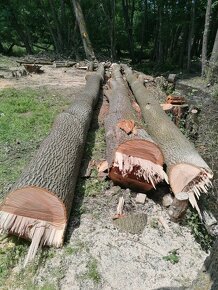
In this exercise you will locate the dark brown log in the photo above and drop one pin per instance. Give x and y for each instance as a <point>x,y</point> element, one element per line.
<point>33,68</point>
<point>186,170</point>
<point>39,205</point>
<point>134,159</point>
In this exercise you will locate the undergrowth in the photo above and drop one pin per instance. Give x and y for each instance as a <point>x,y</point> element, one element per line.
<point>199,231</point>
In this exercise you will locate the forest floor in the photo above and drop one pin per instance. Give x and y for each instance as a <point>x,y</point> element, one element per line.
<point>96,255</point>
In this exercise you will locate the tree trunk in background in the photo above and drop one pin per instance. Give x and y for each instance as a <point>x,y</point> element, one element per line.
<point>128,18</point>
<point>83,31</point>
<point>2,50</point>
<point>160,34</point>
<point>112,31</point>
<point>144,28</point>
<point>19,27</point>
<point>205,38</point>
<point>52,34</point>
<point>190,36</point>
<point>57,25</point>
<point>212,73</point>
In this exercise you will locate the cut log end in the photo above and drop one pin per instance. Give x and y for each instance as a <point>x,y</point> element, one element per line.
<point>34,214</point>
<point>138,164</point>
<point>191,179</point>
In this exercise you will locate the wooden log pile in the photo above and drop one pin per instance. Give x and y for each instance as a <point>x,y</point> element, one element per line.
<point>144,148</point>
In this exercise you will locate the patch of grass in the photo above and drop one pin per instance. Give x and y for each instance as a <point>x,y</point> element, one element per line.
<point>95,144</point>
<point>94,149</point>
<point>26,117</point>
<point>199,231</point>
<point>172,257</point>
<point>11,251</point>
<point>92,186</point>
<point>93,273</point>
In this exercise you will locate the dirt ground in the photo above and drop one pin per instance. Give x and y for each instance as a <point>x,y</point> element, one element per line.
<point>96,254</point>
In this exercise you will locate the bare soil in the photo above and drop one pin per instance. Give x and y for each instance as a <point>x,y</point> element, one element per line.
<point>97,255</point>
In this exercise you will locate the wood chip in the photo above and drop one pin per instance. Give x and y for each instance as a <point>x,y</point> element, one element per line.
<point>140,198</point>
<point>126,125</point>
<point>102,166</point>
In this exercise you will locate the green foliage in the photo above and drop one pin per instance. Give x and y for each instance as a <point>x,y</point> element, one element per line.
<point>172,257</point>
<point>159,29</point>
<point>93,272</point>
<point>199,231</point>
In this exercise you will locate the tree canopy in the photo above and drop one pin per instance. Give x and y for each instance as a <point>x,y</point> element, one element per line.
<point>166,32</point>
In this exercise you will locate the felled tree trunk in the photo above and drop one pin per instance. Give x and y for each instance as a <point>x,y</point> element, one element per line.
<point>134,159</point>
<point>186,170</point>
<point>39,205</point>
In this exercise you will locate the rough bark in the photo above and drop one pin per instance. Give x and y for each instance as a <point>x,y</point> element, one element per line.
<point>191,32</point>
<point>205,38</point>
<point>186,170</point>
<point>212,73</point>
<point>134,159</point>
<point>39,205</point>
<point>128,11</point>
<point>90,55</point>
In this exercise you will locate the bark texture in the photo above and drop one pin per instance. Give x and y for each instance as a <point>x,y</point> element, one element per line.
<point>130,150</point>
<point>205,38</point>
<point>186,170</point>
<point>42,197</point>
<point>83,30</point>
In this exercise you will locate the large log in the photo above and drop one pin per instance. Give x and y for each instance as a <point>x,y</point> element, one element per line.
<point>186,170</point>
<point>39,205</point>
<point>134,159</point>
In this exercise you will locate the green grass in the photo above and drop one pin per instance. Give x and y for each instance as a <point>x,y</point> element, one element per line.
<point>92,272</point>
<point>26,117</point>
<point>11,250</point>
<point>172,257</point>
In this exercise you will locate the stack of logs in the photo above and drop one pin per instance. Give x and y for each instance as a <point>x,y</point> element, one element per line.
<point>144,148</point>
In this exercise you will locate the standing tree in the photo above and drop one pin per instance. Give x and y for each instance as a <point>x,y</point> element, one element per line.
<point>191,32</point>
<point>213,64</point>
<point>205,38</point>
<point>128,12</point>
<point>83,31</point>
